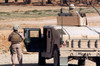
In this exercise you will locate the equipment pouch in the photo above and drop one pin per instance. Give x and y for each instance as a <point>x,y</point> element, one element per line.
<point>12,51</point>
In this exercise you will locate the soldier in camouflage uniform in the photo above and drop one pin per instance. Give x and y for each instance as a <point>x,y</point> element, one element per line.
<point>15,38</point>
<point>72,10</point>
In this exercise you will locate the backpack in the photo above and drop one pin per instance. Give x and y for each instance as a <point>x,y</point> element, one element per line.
<point>15,37</point>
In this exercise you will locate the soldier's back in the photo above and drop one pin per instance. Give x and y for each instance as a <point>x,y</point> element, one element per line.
<point>73,12</point>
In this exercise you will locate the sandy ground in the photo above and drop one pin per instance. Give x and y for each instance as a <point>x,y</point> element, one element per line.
<point>28,59</point>
<point>26,8</point>
<point>31,59</point>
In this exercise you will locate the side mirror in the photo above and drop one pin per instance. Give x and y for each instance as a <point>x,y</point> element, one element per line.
<point>61,41</point>
<point>27,41</point>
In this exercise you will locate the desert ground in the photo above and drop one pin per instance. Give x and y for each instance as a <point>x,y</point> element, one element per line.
<point>28,17</point>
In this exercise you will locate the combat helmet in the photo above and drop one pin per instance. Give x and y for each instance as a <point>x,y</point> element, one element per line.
<point>71,6</point>
<point>15,27</point>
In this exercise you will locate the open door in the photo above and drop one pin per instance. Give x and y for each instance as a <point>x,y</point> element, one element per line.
<point>33,39</point>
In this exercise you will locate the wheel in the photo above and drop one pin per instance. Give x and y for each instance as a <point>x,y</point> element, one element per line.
<point>41,60</point>
<point>81,62</point>
<point>97,60</point>
<point>56,57</point>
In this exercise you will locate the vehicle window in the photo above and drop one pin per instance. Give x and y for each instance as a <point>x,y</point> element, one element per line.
<point>48,34</point>
<point>34,34</point>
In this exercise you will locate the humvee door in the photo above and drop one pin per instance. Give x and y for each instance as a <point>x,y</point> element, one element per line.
<point>32,39</point>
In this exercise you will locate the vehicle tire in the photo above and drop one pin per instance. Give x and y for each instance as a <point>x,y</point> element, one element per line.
<point>97,60</point>
<point>81,62</point>
<point>56,57</point>
<point>41,60</point>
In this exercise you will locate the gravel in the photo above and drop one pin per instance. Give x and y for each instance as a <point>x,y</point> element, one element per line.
<point>31,59</point>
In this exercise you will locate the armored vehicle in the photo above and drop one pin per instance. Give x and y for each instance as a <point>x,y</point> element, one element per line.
<point>74,37</point>
<point>81,37</point>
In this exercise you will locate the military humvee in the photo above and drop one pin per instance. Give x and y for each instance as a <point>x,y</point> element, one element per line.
<point>81,38</point>
<point>71,38</point>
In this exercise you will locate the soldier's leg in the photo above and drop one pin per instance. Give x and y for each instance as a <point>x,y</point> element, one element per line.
<point>19,54</point>
<point>13,58</point>
<point>13,55</point>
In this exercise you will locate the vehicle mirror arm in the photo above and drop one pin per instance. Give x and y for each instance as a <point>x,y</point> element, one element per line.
<point>94,8</point>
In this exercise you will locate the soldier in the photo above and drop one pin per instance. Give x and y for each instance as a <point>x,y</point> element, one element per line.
<point>72,10</point>
<point>15,38</point>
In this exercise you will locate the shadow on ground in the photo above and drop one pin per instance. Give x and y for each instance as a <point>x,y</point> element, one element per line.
<point>72,65</point>
<point>28,65</point>
<point>36,65</point>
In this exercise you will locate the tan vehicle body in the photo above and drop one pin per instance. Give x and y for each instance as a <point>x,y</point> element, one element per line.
<point>52,41</point>
<point>81,36</point>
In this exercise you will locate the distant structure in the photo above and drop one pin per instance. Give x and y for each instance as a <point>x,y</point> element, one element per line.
<point>25,1</point>
<point>62,2</point>
<point>6,1</point>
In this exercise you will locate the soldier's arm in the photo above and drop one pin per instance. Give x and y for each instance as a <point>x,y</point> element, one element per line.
<point>22,36</point>
<point>9,38</point>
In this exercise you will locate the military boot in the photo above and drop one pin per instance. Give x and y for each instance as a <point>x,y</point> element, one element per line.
<point>13,64</point>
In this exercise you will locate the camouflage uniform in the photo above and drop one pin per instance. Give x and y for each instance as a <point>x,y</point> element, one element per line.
<point>15,48</point>
<point>73,11</point>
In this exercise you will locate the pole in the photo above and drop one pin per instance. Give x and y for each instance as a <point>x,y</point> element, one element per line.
<point>61,12</point>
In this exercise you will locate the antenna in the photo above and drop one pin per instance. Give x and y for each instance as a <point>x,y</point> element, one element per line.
<point>61,13</point>
<point>96,10</point>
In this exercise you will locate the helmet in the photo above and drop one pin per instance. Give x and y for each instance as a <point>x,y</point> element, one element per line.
<point>71,6</point>
<point>15,27</point>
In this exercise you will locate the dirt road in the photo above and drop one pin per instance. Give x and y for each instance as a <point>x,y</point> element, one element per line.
<point>31,59</point>
<point>26,8</point>
<point>28,60</point>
